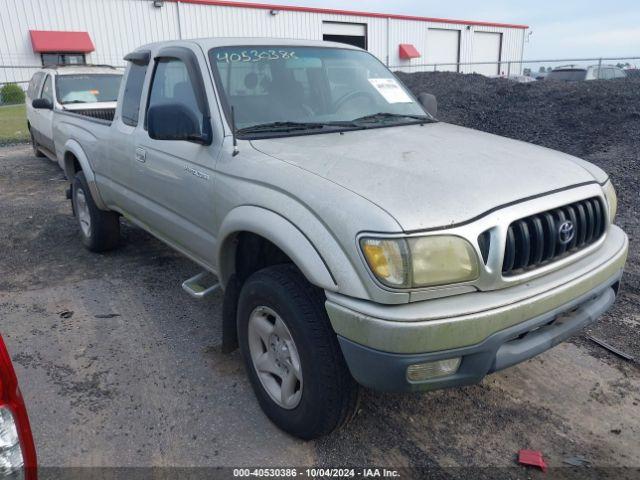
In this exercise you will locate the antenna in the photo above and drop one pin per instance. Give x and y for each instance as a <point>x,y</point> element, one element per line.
<point>233,132</point>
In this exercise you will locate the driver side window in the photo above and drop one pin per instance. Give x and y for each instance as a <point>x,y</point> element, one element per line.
<point>47,90</point>
<point>172,85</point>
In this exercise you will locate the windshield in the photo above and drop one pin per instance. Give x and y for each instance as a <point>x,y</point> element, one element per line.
<point>567,75</point>
<point>87,88</point>
<point>287,88</point>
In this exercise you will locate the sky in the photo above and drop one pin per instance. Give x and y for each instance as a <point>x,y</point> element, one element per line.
<point>561,28</point>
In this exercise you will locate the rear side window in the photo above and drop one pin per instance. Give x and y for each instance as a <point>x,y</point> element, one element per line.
<point>619,73</point>
<point>568,75</point>
<point>609,74</point>
<point>132,94</point>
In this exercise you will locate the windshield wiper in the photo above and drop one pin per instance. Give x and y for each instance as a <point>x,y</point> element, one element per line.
<point>291,126</point>
<point>279,127</point>
<point>357,123</point>
<point>73,101</point>
<point>387,115</point>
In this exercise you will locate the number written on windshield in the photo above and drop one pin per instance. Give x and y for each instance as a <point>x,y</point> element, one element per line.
<point>255,56</point>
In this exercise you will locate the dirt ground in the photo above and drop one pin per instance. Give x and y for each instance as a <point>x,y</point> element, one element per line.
<point>119,367</point>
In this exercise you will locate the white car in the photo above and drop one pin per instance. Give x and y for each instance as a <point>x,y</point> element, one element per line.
<point>84,89</point>
<point>518,78</point>
<point>572,73</point>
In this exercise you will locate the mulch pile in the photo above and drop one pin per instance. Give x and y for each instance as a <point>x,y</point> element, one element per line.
<point>577,118</point>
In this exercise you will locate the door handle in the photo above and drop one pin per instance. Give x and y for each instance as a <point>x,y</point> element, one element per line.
<point>141,155</point>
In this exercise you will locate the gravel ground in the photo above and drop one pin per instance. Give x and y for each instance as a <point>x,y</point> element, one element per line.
<point>119,367</point>
<point>598,121</point>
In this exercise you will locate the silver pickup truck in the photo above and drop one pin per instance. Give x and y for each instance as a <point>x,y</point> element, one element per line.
<point>357,239</point>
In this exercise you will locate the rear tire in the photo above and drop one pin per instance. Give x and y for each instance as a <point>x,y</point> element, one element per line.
<point>324,395</point>
<point>34,145</point>
<point>99,229</point>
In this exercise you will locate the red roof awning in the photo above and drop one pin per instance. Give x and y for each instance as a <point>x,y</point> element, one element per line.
<point>408,51</point>
<point>54,41</point>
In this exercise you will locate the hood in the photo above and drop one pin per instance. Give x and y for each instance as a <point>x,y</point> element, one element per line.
<point>430,176</point>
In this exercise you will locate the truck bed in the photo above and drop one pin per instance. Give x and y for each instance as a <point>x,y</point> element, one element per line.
<point>91,131</point>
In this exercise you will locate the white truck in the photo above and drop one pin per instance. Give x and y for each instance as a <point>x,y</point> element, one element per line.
<point>89,90</point>
<point>358,240</point>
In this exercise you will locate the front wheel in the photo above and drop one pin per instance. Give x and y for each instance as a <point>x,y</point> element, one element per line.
<point>292,355</point>
<point>99,229</point>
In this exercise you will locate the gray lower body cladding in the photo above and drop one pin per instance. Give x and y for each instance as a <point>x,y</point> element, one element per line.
<point>388,371</point>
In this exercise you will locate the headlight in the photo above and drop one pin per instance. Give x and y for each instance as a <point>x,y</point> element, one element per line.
<point>440,260</point>
<point>421,261</point>
<point>612,199</point>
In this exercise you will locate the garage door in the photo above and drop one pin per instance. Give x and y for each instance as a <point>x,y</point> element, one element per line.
<point>443,46</point>
<point>486,48</point>
<point>350,33</point>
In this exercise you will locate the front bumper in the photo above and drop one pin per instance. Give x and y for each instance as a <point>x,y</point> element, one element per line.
<point>489,330</point>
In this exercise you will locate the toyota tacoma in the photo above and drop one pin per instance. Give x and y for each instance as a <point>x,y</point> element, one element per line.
<point>358,240</point>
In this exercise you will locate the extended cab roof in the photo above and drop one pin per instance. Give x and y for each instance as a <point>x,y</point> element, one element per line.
<point>213,42</point>
<point>81,69</point>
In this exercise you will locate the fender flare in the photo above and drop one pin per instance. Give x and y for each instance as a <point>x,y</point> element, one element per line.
<point>278,230</point>
<point>73,147</point>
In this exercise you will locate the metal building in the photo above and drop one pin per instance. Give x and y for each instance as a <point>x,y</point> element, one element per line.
<point>37,32</point>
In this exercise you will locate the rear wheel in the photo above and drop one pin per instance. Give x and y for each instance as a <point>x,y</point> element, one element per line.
<point>34,145</point>
<point>292,355</point>
<point>99,229</point>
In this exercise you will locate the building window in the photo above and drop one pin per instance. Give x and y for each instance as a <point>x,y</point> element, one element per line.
<point>63,59</point>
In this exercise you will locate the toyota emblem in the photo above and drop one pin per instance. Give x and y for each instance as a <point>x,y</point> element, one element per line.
<point>566,232</point>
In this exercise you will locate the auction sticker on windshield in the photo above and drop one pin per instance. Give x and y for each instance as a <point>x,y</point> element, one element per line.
<point>390,90</point>
<point>255,56</point>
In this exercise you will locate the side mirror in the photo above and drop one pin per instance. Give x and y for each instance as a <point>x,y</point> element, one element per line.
<point>429,103</point>
<point>42,103</point>
<point>175,121</point>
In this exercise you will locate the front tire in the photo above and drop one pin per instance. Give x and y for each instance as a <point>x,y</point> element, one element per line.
<point>99,229</point>
<point>292,355</point>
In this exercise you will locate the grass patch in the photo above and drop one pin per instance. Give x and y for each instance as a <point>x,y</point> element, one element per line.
<point>13,124</point>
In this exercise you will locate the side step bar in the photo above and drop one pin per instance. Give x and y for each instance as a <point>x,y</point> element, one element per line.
<point>196,289</point>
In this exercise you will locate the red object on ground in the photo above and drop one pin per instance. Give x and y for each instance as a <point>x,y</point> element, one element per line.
<point>407,51</point>
<point>11,399</point>
<point>44,41</point>
<point>532,458</point>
